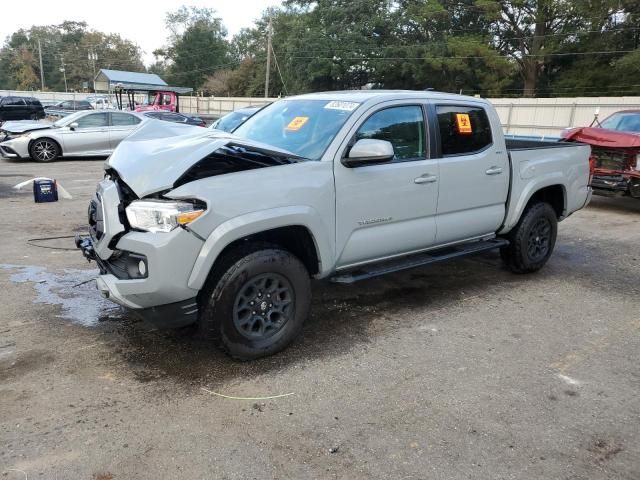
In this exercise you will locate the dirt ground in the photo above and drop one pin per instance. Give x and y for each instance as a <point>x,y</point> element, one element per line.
<point>457,371</point>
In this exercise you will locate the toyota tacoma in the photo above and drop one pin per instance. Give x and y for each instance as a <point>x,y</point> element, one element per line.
<point>226,230</point>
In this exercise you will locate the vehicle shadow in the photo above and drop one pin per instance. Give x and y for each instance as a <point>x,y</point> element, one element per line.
<point>615,204</point>
<point>342,320</point>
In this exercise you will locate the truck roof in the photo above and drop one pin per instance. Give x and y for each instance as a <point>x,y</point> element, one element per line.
<point>375,96</point>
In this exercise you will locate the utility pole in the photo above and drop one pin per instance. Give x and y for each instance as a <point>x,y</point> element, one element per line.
<point>41,69</point>
<point>266,81</point>
<point>93,56</point>
<point>64,73</point>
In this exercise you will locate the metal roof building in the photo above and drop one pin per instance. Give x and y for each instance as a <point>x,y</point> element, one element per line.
<point>109,80</point>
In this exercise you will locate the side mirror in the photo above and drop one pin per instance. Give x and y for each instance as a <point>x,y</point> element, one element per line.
<point>368,151</point>
<point>73,126</point>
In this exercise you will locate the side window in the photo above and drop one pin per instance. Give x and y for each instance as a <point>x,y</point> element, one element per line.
<point>463,129</point>
<point>94,120</point>
<point>16,101</point>
<point>402,126</point>
<point>67,105</point>
<point>123,119</point>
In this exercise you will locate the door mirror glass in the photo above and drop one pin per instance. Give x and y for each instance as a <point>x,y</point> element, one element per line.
<point>73,125</point>
<point>369,151</point>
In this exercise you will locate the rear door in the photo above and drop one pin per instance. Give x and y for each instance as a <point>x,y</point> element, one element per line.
<point>387,209</point>
<point>122,124</point>
<point>91,137</point>
<point>474,172</point>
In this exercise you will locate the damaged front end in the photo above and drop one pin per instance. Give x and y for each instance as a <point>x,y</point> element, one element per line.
<point>614,161</point>
<point>144,238</point>
<point>615,172</point>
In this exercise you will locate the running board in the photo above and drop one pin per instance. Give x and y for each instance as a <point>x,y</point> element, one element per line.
<point>418,259</point>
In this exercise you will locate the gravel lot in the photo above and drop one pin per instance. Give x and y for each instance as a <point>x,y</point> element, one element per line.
<point>458,371</point>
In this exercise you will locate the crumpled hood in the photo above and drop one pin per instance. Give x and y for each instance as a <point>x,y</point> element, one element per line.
<point>158,153</point>
<point>21,126</point>
<point>602,137</point>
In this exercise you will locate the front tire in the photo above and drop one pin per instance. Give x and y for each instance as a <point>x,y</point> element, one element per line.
<point>532,240</point>
<point>44,150</point>
<point>257,303</point>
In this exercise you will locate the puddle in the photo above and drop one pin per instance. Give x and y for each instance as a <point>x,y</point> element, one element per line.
<point>73,290</point>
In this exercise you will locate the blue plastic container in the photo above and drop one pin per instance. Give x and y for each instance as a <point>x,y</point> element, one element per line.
<point>45,191</point>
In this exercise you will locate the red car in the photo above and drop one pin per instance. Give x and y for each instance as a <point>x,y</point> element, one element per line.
<point>615,153</point>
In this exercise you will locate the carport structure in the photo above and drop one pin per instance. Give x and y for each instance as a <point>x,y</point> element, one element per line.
<point>129,83</point>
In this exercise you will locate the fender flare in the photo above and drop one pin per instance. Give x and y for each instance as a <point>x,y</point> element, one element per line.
<point>255,222</point>
<point>515,212</point>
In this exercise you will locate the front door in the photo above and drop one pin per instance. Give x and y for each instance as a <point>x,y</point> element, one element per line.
<point>387,209</point>
<point>91,137</point>
<point>474,173</point>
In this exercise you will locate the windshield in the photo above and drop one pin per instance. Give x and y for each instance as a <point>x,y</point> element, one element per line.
<point>231,121</point>
<point>302,127</point>
<point>623,122</point>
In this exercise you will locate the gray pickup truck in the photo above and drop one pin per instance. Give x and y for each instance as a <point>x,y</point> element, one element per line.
<point>226,229</point>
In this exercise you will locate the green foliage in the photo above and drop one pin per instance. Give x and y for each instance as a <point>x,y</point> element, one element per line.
<point>67,46</point>
<point>488,47</point>
<point>197,47</point>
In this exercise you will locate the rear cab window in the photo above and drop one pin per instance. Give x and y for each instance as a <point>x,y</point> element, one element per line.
<point>463,129</point>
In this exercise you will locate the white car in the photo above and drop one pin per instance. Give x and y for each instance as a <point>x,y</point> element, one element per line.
<point>84,133</point>
<point>100,102</point>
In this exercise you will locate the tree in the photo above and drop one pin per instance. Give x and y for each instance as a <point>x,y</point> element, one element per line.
<point>67,46</point>
<point>197,46</point>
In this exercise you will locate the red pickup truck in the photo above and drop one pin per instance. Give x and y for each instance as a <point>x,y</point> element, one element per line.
<point>167,101</point>
<point>615,153</point>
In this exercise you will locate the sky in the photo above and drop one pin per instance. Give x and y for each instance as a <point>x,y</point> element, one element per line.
<point>139,21</point>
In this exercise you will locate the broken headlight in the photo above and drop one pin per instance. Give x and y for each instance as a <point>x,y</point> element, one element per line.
<point>161,216</point>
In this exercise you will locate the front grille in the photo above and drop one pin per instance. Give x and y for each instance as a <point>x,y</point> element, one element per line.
<point>618,159</point>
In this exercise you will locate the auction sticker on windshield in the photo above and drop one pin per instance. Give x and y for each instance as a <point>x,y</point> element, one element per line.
<point>339,105</point>
<point>296,124</point>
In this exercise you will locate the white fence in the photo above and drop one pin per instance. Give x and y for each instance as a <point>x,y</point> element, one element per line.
<point>548,116</point>
<point>519,116</point>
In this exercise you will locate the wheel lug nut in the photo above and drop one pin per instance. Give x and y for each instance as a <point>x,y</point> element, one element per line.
<point>268,295</point>
<point>252,303</point>
<point>253,313</point>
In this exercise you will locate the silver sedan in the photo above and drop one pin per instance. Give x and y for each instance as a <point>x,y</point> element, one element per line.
<point>85,133</point>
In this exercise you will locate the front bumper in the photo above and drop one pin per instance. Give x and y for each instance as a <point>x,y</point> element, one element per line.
<point>148,298</point>
<point>17,147</point>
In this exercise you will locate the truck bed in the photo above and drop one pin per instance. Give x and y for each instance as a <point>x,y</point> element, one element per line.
<point>526,144</point>
<point>538,164</point>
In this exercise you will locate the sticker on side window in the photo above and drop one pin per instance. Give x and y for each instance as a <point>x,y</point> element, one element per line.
<point>296,124</point>
<point>339,105</point>
<point>463,124</point>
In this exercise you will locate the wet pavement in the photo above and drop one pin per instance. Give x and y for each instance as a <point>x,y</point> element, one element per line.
<point>460,370</point>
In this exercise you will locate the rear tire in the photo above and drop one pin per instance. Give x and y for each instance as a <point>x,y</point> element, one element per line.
<point>33,116</point>
<point>256,303</point>
<point>532,240</point>
<point>44,150</point>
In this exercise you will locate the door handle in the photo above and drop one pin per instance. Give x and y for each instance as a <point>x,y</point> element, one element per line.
<point>494,171</point>
<point>426,178</point>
